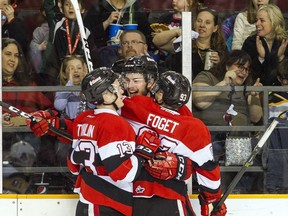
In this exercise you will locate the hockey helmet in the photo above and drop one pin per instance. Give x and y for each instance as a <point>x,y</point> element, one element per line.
<point>145,65</point>
<point>118,66</point>
<point>176,89</point>
<point>96,82</point>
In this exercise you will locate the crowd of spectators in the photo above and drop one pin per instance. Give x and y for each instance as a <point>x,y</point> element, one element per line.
<point>256,56</point>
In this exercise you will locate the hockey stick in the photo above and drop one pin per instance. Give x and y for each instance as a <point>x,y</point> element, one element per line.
<point>247,164</point>
<point>83,35</point>
<point>28,116</point>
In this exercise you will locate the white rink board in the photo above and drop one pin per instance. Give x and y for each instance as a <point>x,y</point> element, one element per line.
<point>8,206</point>
<point>47,207</point>
<point>55,205</point>
<point>251,207</point>
<point>37,205</point>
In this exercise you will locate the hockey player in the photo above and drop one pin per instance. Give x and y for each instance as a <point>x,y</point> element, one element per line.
<point>182,135</point>
<point>90,91</point>
<point>148,72</point>
<point>104,154</point>
<point>139,74</point>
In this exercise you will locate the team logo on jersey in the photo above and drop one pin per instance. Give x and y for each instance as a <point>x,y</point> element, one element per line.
<point>139,189</point>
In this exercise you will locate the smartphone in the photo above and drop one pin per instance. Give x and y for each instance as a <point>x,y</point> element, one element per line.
<point>3,17</point>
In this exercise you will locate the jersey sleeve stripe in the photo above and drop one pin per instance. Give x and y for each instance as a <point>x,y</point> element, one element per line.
<point>202,180</point>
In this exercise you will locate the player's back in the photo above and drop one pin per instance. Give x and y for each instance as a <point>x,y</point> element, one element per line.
<point>103,146</point>
<point>178,133</point>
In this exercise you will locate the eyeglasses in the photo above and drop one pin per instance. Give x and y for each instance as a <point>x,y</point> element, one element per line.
<point>242,68</point>
<point>132,43</point>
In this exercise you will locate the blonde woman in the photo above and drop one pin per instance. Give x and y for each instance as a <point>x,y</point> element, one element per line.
<point>269,45</point>
<point>245,22</point>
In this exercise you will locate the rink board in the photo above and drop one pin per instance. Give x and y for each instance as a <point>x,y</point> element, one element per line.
<point>59,205</point>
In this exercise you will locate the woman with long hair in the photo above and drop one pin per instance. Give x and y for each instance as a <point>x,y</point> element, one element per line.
<point>269,45</point>
<point>245,21</point>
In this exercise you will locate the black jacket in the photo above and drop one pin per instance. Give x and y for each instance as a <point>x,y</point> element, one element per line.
<point>15,29</point>
<point>98,13</point>
<point>267,70</point>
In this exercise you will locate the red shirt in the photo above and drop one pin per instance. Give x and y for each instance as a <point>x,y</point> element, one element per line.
<point>26,101</point>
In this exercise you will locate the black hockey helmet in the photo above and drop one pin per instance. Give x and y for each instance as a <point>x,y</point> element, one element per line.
<point>118,66</point>
<point>176,89</point>
<point>145,65</point>
<point>96,82</point>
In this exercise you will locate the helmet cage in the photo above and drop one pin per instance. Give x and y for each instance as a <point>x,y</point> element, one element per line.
<point>117,67</point>
<point>142,64</point>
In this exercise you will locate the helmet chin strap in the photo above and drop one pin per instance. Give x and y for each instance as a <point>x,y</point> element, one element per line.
<point>146,91</point>
<point>157,100</point>
<point>113,103</point>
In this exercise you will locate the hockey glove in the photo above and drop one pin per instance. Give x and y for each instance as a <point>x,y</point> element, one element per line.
<point>43,119</point>
<point>166,165</point>
<point>208,201</point>
<point>147,144</point>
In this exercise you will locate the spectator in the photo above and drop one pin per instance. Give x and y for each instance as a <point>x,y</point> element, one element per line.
<point>67,38</point>
<point>105,12</point>
<point>132,43</point>
<point>234,69</point>
<point>12,26</point>
<point>210,39</point>
<point>245,21</point>
<point>164,39</point>
<point>275,152</point>
<point>48,70</point>
<point>278,101</point>
<point>269,45</point>
<point>221,108</point>
<point>15,72</point>
<point>173,21</point>
<point>69,104</point>
<point>73,70</point>
<point>39,41</point>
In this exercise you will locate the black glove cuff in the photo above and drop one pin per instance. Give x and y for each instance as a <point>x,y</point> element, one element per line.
<point>144,151</point>
<point>33,121</point>
<point>181,168</point>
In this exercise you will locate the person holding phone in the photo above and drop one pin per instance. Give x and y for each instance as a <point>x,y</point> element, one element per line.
<point>12,26</point>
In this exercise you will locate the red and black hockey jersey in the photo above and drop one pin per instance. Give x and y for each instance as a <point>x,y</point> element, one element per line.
<point>179,134</point>
<point>102,157</point>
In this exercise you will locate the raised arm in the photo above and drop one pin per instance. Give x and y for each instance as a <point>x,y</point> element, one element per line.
<point>203,100</point>
<point>164,39</point>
